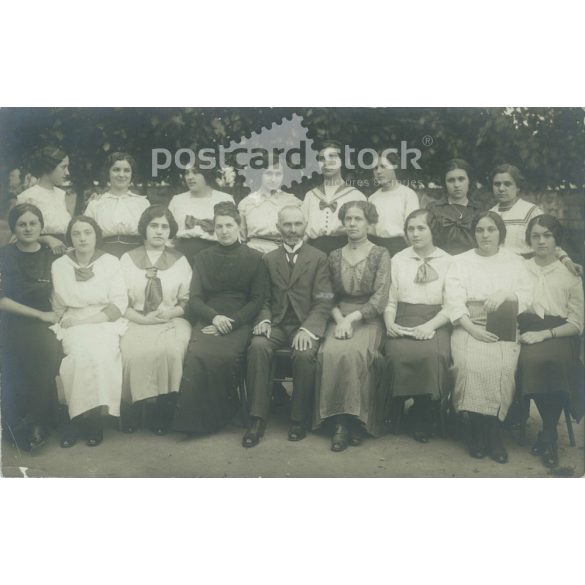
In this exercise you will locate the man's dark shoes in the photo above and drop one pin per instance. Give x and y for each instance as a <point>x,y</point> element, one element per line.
<point>296,432</point>
<point>550,455</point>
<point>254,432</point>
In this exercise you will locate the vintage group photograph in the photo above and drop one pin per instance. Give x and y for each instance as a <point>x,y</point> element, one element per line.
<point>292,292</point>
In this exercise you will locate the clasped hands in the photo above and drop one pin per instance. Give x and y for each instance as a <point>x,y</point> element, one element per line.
<point>221,325</point>
<point>421,332</point>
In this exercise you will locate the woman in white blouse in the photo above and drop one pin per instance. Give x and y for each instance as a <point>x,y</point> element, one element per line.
<point>153,348</point>
<point>322,204</point>
<point>259,210</point>
<point>193,211</point>
<point>89,297</point>
<point>418,352</point>
<point>477,284</point>
<point>394,203</point>
<point>549,370</point>
<point>118,210</point>
<point>51,166</point>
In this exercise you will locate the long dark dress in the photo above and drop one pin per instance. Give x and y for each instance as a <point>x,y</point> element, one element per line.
<point>230,281</point>
<point>30,352</point>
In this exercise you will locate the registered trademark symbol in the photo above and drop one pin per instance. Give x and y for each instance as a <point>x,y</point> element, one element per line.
<point>427,140</point>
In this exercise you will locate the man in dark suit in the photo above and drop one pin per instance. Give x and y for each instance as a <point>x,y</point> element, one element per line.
<point>294,315</point>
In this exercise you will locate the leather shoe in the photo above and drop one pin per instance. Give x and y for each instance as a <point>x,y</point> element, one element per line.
<point>296,432</point>
<point>477,452</point>
<point>70,436</point>
<point>355,436</point>
<point>339,439</point>
<point>254,433</point>
<point>94,438</point>
<point>539,446</point>
<point>550,455</point>
<point>37,436</point>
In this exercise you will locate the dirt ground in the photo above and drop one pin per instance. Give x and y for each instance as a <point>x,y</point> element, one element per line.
<point>221,455</point>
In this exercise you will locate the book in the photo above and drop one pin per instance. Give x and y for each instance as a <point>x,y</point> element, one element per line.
<point>502,322</point>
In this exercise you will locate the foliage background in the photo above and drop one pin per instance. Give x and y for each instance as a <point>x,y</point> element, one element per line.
<point>546,143</point>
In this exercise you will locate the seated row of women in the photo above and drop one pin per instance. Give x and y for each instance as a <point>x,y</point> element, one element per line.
<point>117,210</point>
<point>125,328</point>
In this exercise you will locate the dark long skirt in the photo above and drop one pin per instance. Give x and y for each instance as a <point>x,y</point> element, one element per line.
<point>189,247</point>
<point>328,243</point>
<point>418,367</point>
<point>31,355</point>
<point>118,245</point>
<point>208,397</point>
<point>552,365</point>
<point>393,245</point>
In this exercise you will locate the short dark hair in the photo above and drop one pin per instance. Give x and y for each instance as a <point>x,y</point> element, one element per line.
<point>210,175</point>
<point>19,210</point>
<point>153,212</point>
<point>369,209</point>
<point>431,219</point>
<point>496,218</point>
<point>393,158</point>
<point>112,160</point>
<point>45,160</point>
<point>513,171</point>
<point>549,222</point>
<point>91,222</point>
<point>226,208</point>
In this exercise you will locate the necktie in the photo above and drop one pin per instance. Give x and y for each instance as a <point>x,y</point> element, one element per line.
<point>83,274</point>
<point>324,205</point>
<point>290,258</point>
<point>153,293</point>
<point>205,224</point>
<point>425,272</point>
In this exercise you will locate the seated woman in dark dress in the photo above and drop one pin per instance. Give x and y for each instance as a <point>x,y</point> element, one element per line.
<point>30,352</point>
<point>227,292</point>
<point>549,370</point>
<point>418,348</point>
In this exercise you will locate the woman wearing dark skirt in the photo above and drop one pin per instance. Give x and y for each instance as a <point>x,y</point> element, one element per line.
<point>549,370</point>
<point>227,291</point>
<point>30,352</point>
<point>418,348</point>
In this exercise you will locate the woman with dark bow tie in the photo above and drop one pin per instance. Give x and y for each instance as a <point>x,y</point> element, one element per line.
<point>456,212</point>
<point>154,346</point>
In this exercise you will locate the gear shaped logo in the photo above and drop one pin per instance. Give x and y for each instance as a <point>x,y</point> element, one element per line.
<point>288,141</point>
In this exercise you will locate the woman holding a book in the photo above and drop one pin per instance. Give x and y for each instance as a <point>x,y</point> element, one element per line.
<point>485,289</point>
